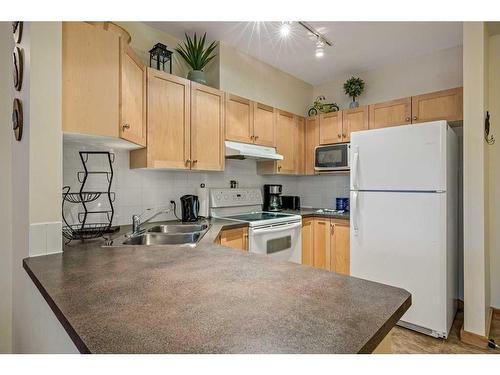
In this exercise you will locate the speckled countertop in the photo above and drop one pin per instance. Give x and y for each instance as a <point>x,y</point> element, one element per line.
<point>310,212</point>
<point>210,299</point>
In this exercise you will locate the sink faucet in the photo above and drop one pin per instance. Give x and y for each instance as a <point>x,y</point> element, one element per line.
<point>137,222</point>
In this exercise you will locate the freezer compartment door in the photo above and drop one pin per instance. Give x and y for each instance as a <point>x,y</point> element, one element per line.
<point>401,158</point>
<point>399,239</point>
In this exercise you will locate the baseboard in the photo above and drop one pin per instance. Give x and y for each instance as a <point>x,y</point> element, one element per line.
<point>475,339</point>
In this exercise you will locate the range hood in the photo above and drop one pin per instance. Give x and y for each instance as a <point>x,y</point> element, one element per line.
<point>237,150</point>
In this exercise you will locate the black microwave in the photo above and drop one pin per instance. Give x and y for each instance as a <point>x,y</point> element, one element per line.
<point>333,157</point>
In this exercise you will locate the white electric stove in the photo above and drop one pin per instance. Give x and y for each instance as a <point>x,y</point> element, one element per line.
<point>273,233</point>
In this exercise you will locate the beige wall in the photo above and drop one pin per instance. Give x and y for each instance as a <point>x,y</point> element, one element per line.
<point>476,260</point>
<point>6,137</point>
<point>437,71</point>
<point>45,126</point>
<point>246,76</point>
<point>494,169</point>
<point>144,37</point>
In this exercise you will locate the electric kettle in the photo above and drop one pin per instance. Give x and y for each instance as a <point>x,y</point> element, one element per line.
<point>190,206</point>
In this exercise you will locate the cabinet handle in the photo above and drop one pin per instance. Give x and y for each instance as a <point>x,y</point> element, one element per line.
<point>339,135</point>
<point>252,137</point>
<point>188,161</point>
<point>195,161</point>
<point>255,137</point>
<point>407,119</point>
<point>279,167</point>
<point>344,136</point>
<point>415,117</point>
<point>126,126</point>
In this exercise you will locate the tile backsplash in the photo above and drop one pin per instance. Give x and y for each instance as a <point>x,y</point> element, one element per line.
<point>139,189</point>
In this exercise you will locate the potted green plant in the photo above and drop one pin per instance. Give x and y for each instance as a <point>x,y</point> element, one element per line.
<point>354,87</point>
<point>193,51</point>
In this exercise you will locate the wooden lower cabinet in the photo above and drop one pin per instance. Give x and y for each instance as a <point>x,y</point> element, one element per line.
<point>234,238</point>
<point>340,246</point>
<point>321,247</point>
<point>307,241</point>
<point>325,244</point>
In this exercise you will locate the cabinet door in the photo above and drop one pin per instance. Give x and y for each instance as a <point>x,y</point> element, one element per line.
<point>168,120</point>
<point>235,238</point>
<point>239,119</point>
<point>207,128</point>
<point>132,97</point>
<point>440,105</point>
<point>264,125</point>
<point>90,80</point>
<point>286,137</point>
<point>340,249</point>
<point>307,241</point>
<point>321,249</point>
<point>312,141</point>
<point>354,120</point>
<point>330,128</point>
<point>392,113</point>
<point>300,153</point>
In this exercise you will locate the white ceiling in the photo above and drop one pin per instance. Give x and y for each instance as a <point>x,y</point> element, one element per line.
<point>357,46</point>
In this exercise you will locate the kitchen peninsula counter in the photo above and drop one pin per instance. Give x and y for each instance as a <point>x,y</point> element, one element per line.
<point>209,299</point>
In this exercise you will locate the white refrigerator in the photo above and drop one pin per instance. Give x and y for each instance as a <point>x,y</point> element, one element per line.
<point>404,217</point>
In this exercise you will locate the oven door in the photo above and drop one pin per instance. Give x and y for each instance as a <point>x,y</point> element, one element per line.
<point>332,157</point>
<point>281,241</point>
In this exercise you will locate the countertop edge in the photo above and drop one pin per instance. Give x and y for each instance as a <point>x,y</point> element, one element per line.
<point>372,344</point>
<point>80,345</point>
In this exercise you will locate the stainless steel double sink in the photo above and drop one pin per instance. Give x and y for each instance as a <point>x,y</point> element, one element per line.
<point>165,234</point>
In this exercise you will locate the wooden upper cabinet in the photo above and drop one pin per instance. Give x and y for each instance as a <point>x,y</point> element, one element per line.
<point>330,128</point>
<point>264,129</point>
<point>440,105</point>
<point>286,138</point>
<point>321,248</point>
<point>168,123</point>
<point>301,147</point>
<point>354,120</point>
<point>312,141</point>
<point>207,128</point>
<point>132,97</point>
<point>307,241</point>
<point>90,80</point>
<point>392,113</point>
<point>239,119</point>
<point>340,247</point>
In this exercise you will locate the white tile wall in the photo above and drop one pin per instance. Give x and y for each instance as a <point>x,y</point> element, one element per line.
<point>45,238</point>
<point>139,189</point>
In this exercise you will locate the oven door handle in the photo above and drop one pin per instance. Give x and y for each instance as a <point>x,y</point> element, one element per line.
<point>277,228</point>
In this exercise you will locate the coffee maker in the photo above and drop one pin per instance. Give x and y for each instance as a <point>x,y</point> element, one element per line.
<point>272,197</point>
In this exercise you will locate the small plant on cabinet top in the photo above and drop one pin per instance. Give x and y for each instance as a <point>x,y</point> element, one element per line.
<point>354,87</point>
<point>195,54</point>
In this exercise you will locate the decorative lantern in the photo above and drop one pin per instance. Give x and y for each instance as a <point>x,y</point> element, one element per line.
<point>161,55</point>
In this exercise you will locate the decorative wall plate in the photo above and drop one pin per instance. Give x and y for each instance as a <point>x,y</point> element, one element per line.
<point>17,119</point>
<point>17,31</point>
<point>17,68</point>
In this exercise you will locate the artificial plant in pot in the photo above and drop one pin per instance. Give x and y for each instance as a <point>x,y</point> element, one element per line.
<point>354,87</point>
<point>193,51</point>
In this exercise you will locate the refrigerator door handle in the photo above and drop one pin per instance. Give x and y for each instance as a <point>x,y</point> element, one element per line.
<point>354,212</point>
<point>354,169</point>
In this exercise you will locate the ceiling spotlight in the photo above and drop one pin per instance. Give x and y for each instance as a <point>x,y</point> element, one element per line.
<point>285,29</point>
<point>320,48</point>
